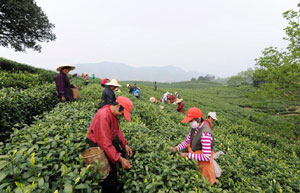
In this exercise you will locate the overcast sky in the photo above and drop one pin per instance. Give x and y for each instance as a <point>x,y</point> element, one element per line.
<point>219,37</point>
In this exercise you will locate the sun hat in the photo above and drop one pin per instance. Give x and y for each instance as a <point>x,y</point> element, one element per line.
<point>213,115</point>
<point>127,104</point>
<point>152,99</point>
<point>114,82</point>
<point>65,65</point>
<point>191,114</point>
<point>127,85</point>
<point>178,101</point>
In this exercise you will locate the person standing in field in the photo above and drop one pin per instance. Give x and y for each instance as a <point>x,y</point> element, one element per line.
<point>180,105</point>
<point>155,86</point>
<point>104,132</point>
<point>63,86</point>
<point>199,142</point>
<point>108,95</point>
<point>93,77</point>
<point>86,78</point>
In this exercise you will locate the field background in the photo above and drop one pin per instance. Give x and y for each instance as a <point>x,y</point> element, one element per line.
<point>41,139</point>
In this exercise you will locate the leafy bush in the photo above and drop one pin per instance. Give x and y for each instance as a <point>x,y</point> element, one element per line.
<point>20,106</point>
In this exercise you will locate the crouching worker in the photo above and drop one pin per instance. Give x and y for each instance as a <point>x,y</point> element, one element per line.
<point>199,142</point>
<point>104,132</point>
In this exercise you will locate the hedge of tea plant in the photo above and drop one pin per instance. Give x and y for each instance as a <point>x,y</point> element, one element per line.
<point>21,80</point>
<point>45,157</point>
<point>20,106</point>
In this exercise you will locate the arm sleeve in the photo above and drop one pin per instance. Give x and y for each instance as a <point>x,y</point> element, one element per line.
<point>206,140</point>
<point>122,138</point>
<point>183,145</point>
<point>103,139</point>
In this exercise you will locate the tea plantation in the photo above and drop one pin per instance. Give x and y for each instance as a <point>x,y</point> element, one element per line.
<point>262,149</point>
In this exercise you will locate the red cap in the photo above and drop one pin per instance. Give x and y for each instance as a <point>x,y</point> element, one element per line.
<point>127,104</point>
<point>191,114</point>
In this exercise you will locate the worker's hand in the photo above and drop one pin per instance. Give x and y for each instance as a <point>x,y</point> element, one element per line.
<point>125,163</point>
<point>75,86</point>
<point>174,149</point>
<point>183,155</point>
<point>128,150</point>
<point>63,99</point>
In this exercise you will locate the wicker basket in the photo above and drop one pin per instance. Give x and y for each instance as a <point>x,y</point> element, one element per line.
<point>76,93</point>
<point>96,153</point>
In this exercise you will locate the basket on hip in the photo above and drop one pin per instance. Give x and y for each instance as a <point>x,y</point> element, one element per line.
<point>96,155</point>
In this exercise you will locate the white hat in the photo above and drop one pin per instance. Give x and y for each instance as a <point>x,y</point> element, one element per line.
<point>62,66</point>
<point>178,101</point>
<point>152,99</point>
<point>127,85</point>
<point>213,115</point>
<point>113,82</point>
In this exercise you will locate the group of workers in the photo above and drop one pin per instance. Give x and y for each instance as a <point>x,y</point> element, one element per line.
<point>134,90</point>
<point>169,97</point>
<point>104,130</point>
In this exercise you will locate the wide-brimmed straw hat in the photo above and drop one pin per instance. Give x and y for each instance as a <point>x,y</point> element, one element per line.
<point>62,66</point>
<point>113,82</point>
<point>152,99</point>
<point>178,101</point>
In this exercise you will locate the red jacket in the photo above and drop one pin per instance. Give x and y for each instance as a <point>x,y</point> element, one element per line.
<point>103,129</point>
<point>180,107</point>
<point>171,98</point>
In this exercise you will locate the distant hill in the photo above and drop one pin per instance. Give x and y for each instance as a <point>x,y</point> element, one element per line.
<point>126,72</point>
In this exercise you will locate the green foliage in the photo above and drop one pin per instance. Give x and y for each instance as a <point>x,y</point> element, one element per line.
<point>44,157</point>
<point>242,78</point>
<point>207,77</point>
<point>20,106</point>
<point>236,81</point>
<point>261,154</point>
<point>15,67</point>
<point>23,25</point>
<point>186,84</point>
<point>12,66</point>
<point>279,71</point>
<point>24,80</point>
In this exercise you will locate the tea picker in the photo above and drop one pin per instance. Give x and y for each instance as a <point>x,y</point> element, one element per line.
<point>63,85</point>
<point>104,134</point>
<point>199,142</point>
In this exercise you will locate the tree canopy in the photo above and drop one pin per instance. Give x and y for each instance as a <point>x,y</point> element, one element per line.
<point>242,78</point>
<point>23,25</point>
<point>278,71</point>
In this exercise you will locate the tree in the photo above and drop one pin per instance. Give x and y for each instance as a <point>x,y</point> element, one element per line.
<point>23,24</point>
<point>242,78</point>
<point>236,81</point>
<point>207,77</point>
<point>247,76</point>
<point>278,72</point>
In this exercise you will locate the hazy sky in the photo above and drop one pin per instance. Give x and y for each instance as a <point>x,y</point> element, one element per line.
<point>220,37</point>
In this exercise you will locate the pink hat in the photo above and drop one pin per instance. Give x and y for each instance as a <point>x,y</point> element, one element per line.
<point>127,104</point>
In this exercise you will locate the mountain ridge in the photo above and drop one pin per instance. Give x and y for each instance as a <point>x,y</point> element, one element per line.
<point>123,71</point>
